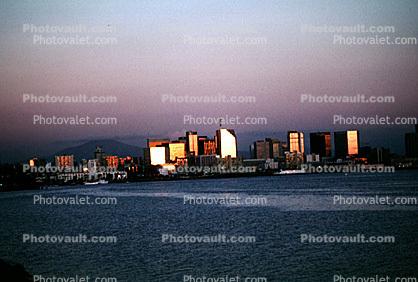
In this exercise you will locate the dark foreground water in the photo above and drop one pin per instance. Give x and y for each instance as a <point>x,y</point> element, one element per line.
<point>298,204</point>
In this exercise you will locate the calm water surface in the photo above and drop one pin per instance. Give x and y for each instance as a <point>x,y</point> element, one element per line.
<point>298,204</point>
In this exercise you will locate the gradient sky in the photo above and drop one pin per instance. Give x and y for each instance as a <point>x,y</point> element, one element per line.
<point>151,59</point>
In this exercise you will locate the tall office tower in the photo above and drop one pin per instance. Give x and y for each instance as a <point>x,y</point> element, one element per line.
<point>321,144</point>
<point>296,142</point>
<point>346,143</point>
<point>411,144</point>
<point>192,146</point>
<point>226,143</point>
<point>99,155</point>
<point>201,144</point>
<point>157,142</point>
<point>177,150</point>
<point>275,148</point>
<point>64,161</point>
<point>267,149</point>
<point>152,156</point>
<point>209,147</point>
<point>261,150</point>
<point>112,161</point>
<point>158,155</point>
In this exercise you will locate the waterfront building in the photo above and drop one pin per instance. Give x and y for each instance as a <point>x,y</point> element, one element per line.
<point>320,143</point>
<point>411,144</point>
<point>64,161</point>
<point>296,142</point>
<point>192,147</point>
<point>226,143</point>
<point>346,143</point>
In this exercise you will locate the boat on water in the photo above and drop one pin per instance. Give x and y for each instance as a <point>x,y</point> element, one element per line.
<point>91,183</point>
<point>101,181</point>
<point>292,171</point>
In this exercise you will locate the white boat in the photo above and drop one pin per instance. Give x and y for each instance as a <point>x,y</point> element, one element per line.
<point>91,183</point>
<point>102,181</point>
<point>292,171</point>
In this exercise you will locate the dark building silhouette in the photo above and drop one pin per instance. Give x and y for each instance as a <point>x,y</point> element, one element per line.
<point>320,143</point>
<point>376,155</point>
<point>411,144</point>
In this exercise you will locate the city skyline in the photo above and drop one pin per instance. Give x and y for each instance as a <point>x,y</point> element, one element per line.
<point>342,144</point>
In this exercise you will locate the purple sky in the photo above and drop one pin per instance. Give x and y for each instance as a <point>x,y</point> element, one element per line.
<point>151,59</point>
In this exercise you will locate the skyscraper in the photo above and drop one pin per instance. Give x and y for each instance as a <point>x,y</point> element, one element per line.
<point>320,143</point>
<point>177,150</point>
<point>296,142</point>
<point>209,147</point>
<point>346,143</point>
<point>64,161</point>
<point>275,148</point>
<point>267,149</point>
<point>226,143</point>
<point>157,142</point>
<point>261,150</point>
<point>192,146</point>
<point>99,155</point>
<point>158,155</point>
<point>153,156</point>
<point>201,144</point>
<point>411,144</point>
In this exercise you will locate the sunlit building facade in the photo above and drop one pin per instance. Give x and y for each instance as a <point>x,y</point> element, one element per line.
<point>192,146</point>
<point>206,146</point>
<point>209,147</point>
<point>112,161</point>
<point>64,161</point>
<point>346,143</point>
<point>296,142</point>
<point>157,155</point>
<point>177,150</point>
<point>226,143</point>
<point>157,142</point>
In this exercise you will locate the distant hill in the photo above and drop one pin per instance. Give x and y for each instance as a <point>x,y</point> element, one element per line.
<point>110,147</point>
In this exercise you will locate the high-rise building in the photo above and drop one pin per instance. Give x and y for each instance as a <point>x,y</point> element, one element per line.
<point>153,156</point>
<point>99,155</point>
<point>112,161</point>
<point>261,150</point>
<point>206,146</point>
<point>226,143</point>
<point>177,150</point>
<point>346,143</point>
<point>158,155</point>
<point>192,146</point>
<point>200,144</point>
<point>157,142</point>
<point>64,161</point>
<point>320,143</point>
<point>276,148</point>
<point>411,144</point>
<point>296,142</point>
<point>209,147</point>
<point>92,166</point>
<point>267,149</point>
